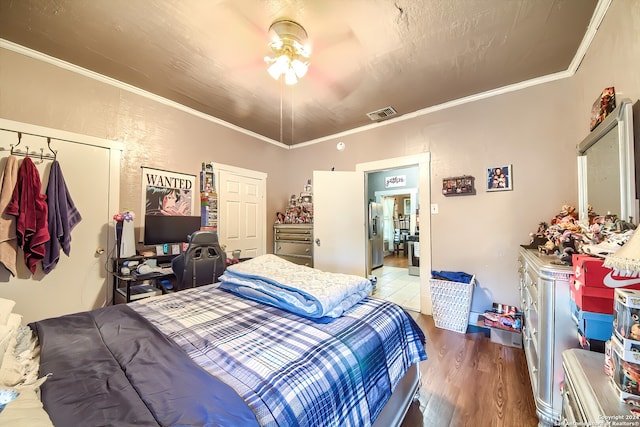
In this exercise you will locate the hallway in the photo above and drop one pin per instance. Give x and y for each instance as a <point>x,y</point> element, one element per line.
<point>395,284</point>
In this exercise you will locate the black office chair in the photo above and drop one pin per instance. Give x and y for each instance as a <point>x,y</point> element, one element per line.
<point>202,263</point>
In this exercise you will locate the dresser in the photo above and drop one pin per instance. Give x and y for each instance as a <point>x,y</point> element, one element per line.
<point>547,328</point>
<point>589,396</point>
<point>294,242</point>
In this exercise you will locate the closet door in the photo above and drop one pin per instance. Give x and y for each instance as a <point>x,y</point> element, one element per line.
<point>79,282</point>
<point>241,222</point>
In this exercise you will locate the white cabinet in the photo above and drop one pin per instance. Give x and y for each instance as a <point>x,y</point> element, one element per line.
<point>547,328</point>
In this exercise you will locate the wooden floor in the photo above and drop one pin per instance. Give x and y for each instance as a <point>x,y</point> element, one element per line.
<point>470,381</point>
<point>399,261</point>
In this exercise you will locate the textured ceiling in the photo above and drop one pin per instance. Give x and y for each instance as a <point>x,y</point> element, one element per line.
<point>366,54</point>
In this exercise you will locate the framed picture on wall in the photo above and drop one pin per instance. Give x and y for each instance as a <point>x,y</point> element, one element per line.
<point>458,186</point>
<point>499,178</point>
<point>407,206</point>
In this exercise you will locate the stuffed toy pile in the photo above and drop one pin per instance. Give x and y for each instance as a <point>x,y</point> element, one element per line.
<point>564,235</point>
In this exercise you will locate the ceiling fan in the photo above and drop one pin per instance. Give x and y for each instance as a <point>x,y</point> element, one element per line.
<point>336,68</point>
<point>290,49</point>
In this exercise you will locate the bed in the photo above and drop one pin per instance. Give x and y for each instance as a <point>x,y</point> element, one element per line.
<point>209,356</point>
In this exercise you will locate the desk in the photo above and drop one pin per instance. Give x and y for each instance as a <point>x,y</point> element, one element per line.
<point>130,287</point>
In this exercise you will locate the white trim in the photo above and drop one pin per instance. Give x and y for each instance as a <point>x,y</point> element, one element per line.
<point>423,162</point>
<point>444,106</point>
<point>239,171</point>
<point>592,29</point>
<point>125,86</point>
<point>394,162</point>
<point>62,135</point>
<point>594,24</point>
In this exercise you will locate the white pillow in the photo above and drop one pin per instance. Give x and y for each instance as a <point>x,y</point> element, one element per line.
<point>6,307</point>
<point>25,410</point>
<point>21,361</point>
<point>6,333</point>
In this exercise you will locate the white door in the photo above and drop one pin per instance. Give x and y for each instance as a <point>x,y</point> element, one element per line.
<point>241,210</point>
<point>80,281</point>
<point>339,222</point>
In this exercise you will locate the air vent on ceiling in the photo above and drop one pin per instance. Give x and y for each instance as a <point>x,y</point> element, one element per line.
<point>383,113</point>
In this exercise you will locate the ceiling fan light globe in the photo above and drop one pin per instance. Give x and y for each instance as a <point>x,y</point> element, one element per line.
<point>302,50</point>
<point>299,67</point>
<point>275,70</point>
<point>290,77</point>
<point>276,43</point>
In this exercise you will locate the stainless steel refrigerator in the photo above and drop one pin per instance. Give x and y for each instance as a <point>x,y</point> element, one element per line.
<point>376,235</point>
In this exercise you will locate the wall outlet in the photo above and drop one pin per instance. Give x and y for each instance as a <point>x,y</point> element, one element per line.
<point>434,208</point>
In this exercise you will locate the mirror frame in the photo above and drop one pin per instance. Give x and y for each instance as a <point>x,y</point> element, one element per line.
<point>622,117</point>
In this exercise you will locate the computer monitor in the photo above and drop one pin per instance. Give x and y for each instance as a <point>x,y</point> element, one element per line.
<point>161,229</point>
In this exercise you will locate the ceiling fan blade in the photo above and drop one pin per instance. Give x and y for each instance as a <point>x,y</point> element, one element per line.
<point>338,67</point>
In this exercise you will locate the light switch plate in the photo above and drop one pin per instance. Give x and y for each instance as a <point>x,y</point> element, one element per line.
<point>434,208</point>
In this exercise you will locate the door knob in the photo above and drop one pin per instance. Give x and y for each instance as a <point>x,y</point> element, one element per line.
<point>317,242</point>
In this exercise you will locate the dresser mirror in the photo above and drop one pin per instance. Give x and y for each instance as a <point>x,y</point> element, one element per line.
<point>606,167</point>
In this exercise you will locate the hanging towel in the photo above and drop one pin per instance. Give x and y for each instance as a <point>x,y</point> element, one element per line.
<point>8,240</point>
<point>63,217</point>
<point>30,209</point>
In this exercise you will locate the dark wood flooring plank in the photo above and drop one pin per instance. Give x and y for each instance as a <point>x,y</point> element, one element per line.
<point>470,381</point>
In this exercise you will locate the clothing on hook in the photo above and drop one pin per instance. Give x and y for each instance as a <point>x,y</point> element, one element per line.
<point>29,207</point>
<point>63,216</point>
<point>8,239</point>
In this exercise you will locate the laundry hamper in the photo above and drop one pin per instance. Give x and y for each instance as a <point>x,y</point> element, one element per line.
<point>451,303</point>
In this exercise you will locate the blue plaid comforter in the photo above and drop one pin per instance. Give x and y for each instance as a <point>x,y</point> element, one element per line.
<point>290,370</point>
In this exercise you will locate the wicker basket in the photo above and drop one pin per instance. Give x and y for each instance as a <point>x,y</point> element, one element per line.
<point>451,303</point>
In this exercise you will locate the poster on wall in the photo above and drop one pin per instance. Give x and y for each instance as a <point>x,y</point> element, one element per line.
<point>499,178</point>
<point>168,193</point>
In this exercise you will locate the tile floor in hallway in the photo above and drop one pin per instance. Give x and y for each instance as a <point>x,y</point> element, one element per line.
<point>396,285</point>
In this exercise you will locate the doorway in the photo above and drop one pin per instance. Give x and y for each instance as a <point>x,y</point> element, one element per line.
<point>394,283</point>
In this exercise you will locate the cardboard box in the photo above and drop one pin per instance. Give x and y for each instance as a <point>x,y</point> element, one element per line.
<point>630,354</point>
<point>589,270</point>
<point>626,374</point>
<point>503,316</point>
<point>596,326</point>
<point>626,318</point>
<point>592,298</point>
<point>508,338</point>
